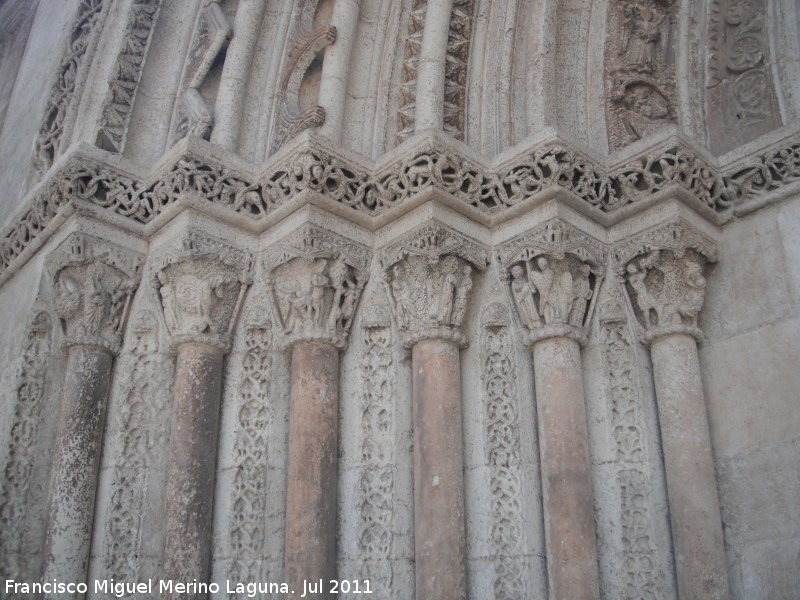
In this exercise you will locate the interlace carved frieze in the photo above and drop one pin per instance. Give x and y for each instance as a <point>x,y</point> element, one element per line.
<point>314,169</point>
<point>93,282</point>
<point>29,394</point>
<point>376,485</point>
<point>315,279</point>
<point>639,572</point>
<point>143,425</point>
<point>254,415</point>
<point>202,289</point>
<point>553,274</point>
<point>501,406</point>
<point>665,272</point>
<point>71,72</point>
<point>428,278</point>
<point>127,72</point>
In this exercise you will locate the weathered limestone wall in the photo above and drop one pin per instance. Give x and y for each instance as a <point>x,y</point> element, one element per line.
<point>486,298</point>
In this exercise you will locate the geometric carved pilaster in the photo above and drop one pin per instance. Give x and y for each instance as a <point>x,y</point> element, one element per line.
<point>664,270</point>
<point>315,278</point>
<point>554,273</point>
<point>202,289</point>
<point>93,282</point>
<point>428,277</point>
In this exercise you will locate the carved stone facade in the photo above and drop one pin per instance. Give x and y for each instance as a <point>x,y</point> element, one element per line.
<point>442,298</point>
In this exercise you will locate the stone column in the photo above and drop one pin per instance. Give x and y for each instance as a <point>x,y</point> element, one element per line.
<point>93,283</point>
<point>201,295</point>
<point>235,73</point>
<point>315,279</point>
<point>428,279</point>
<point>553,273</point>
<point>431,69</point>
<point>666,287</point>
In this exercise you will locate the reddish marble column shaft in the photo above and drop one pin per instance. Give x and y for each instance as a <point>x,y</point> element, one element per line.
<point>566,478</point>
<point>76,462</point>
<point>192,464</point>
<point>693,503</point>
<point>310,552</point>
<point>439,537</point>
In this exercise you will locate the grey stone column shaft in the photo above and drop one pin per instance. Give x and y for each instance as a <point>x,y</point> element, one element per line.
<point>439,536</point>
<point>192,464</point>
<point>694,506</point>
<point>75,465</point>
<point>310,552</point>
<point>566,478</point>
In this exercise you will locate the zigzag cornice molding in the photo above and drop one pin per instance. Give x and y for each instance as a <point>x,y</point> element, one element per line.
<point>371,193</point>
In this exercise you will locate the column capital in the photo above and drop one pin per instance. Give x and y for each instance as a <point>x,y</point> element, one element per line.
<point>202,287</point>
<point>315,278</point>
<point>428,277</point>
<point>664,272</point>
<point>552,274</point>
<point>93,281</point>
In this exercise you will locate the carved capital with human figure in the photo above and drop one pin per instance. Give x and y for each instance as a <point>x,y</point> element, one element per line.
<point>315,279</point>
<point>553,273</point>
<point>93,282</point>
<point>202,288</point>
<point>428,276</point>
<point>665,271</point>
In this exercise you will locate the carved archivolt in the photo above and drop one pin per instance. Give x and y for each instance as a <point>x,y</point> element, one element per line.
<point>71,73</point>
<point>406,113</point>
<point>459,40</point>
<point>315,278</point>
<point>553,275</point>
<point>640,68</point>
<point>428,278</point>
<point>664,270</point>
<point>491,191</point>
<point>29,395</point>
<point>501,405</point>
<point>127,72</point>
<point>202,289</point>
<point>93,282</point>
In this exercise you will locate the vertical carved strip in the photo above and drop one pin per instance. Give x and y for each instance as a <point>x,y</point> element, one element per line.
<point>459,39</point>
<point>253,422</point>
<point>29,391</point>
<point>408,86</point>
<point>640,574</point>
<point>500,399</point>
<point>72,72</point>
<point>739,84</point>
<point>142,423</point>
<point>127,72</point>
<point>376,483</point>
<point>640,68</point>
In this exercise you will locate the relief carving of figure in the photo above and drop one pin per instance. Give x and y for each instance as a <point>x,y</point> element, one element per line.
<point>463,287</point>
<point>319,283</point>
<point>442,311</point>
<point>644,299</point>
<point>401,293</point>
<point>642,36</point>
<point>522,291</point>
<point>581,294</point>
<point>695,291</point>
<point>543,282</point>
